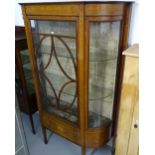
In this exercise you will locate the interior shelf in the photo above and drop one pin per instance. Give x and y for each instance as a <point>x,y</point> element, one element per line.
<point>25,56</point>
<point>95,54</point>
<point>70,115</point>
<point>96,120</point>
<point>27,66</point>
<point>57,81</point>
<point>97,92</point>
<point>28,74</point>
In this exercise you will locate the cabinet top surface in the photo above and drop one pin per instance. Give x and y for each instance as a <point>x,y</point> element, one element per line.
<point>132,51</point>
<point>59,1</point>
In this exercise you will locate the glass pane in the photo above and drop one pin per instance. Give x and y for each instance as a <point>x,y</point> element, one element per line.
<point>27,71</point>
<point>103,51</point>
<point>55,47</point>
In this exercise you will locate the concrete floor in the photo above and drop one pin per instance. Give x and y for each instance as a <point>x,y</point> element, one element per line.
<point>56,144</point>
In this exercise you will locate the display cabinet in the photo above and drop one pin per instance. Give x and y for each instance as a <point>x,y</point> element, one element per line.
<point>75,51</point>
<point>23,76</point>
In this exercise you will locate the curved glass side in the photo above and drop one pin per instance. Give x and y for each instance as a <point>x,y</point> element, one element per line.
<point>103,52</point>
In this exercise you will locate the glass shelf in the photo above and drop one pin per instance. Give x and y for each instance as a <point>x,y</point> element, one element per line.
<point>97,91</point>
<point>27,66</point>
<point>28,74</point>
<point>69,114</point>
<point>61,52</point>
<point>100,57</point>
<point>96,120</point>
<point>25,57</point>
<point>58,80</point>
<point>95,54</point>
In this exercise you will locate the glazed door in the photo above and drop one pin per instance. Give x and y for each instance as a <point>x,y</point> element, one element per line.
<point>103,48</point>
<point>55,44</point>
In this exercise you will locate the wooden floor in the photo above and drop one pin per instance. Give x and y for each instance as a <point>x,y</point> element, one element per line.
<point>56,144</point>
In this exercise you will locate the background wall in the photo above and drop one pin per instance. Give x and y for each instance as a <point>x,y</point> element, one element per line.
<point>18,14</point>
<point>134,28</point>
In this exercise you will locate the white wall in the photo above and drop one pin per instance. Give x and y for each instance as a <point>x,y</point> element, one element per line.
<point>134,27</point>
<point>18,14</point>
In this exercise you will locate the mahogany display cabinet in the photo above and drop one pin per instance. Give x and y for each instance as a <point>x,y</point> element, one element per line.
<point>75,52</point>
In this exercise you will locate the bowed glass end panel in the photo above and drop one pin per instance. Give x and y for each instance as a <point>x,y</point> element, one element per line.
<point>103,52</point>
<point>55,49</point>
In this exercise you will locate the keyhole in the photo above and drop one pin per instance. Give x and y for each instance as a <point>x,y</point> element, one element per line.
<point>135,126</point>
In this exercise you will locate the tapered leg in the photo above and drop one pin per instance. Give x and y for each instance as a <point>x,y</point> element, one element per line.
<point>32,123</point>
<point>83,150</point>
<point>113,151</point>
<point>44,134</point>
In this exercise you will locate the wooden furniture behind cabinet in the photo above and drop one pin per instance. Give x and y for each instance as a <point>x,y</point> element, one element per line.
<point>24,84</point>
<point>127,141</point>
<point>75,51</point>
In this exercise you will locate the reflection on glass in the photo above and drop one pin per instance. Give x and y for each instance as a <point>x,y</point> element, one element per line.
<point>103,51</point>
<point>55,48</point>
<point>27,71</point>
